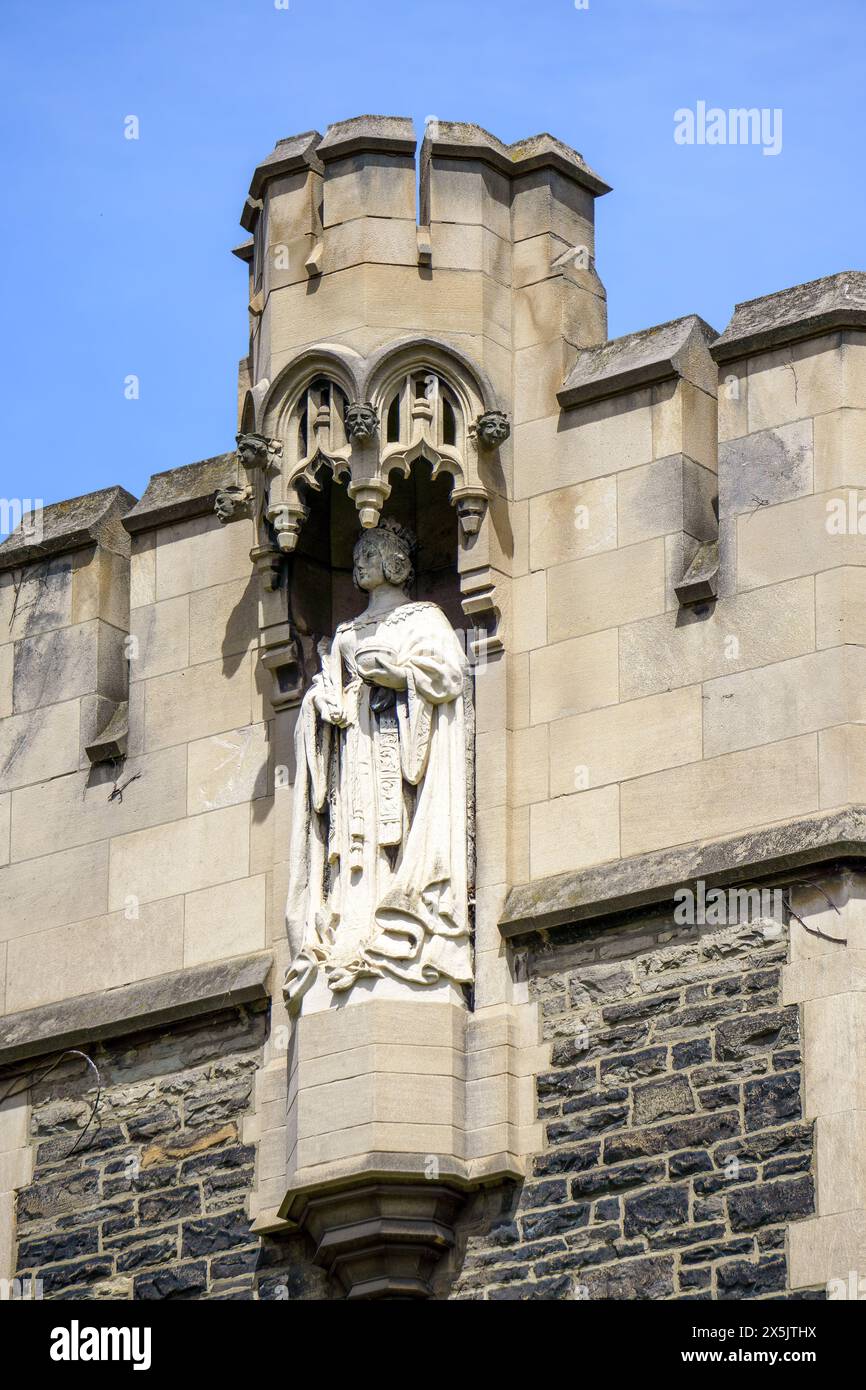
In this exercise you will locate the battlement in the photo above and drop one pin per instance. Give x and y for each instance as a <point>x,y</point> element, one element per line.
<point>354,238</point>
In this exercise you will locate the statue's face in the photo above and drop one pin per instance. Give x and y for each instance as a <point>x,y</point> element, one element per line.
<point>369,571</point>
<point>251,450</point>
<point>493,428</point>
<point>360,421</point>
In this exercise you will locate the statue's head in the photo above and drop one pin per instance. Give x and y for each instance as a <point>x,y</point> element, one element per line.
<point>252,450</point>
<point>361,420</point>
<point>384,555</point>
<point>492,428</point>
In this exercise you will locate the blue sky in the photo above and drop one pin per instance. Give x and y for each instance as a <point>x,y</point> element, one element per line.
<point>116,253</point>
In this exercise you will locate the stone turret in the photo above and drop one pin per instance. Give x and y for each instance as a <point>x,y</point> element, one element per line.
<point>651,550</point>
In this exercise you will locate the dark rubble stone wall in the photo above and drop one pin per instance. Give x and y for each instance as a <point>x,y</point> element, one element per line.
<point>676,1149</point>
<point>151,1204</point>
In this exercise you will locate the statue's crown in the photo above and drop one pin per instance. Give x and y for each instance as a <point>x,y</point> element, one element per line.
<point>403,534</point>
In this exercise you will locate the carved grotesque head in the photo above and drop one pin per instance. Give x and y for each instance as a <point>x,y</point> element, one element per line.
<point>252,450</point>
<point>361,420</point>
<point>492,428</point>
<point>384,555</point>
<point>227,500</point>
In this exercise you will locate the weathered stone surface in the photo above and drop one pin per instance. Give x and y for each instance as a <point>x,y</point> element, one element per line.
<point>771,1202</point>
<point>661,1099</point>
<point>153,1002</point>
<point>181,492</point>
<point>802,311</point>
<point>65,526</point>
<point>675,349</point>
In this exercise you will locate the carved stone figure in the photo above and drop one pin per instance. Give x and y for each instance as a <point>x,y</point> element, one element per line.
<point>361,420</point>
<point>492,428</point>
<point>378,859</point>
<point>253,450</point>
<point>230,500</point>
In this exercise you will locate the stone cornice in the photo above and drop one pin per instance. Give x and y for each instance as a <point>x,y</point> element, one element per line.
<point>93,519</point>
<point>676,349</point>
<point>461,140</point>
<point>650,880</point>
<point>182,492</point>
<point>147,1004</point>
<point>803,311</point>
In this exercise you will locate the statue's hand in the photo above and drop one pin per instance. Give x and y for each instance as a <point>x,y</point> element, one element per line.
<point>326,709</point>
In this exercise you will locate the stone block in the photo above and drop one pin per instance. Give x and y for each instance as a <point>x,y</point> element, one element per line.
<point>626,740</point>
<point>842,765</point>
<point>840,449</point>
<point>179,857</point>
<point>670,495</point>
<point>7,654</point>
<point>834,1033</point>
<point>840,1147</point>
<point>571,677</point>
<point>558,307</point>
<point>198,553</point>
<point>547,201</point>
<point>38,894</point>
<point>765,468</point>
<point>41,743</point>
<point>5,827</point>
<point>796,381</point>
<point>471,193</point>
<point>65,663</point>
<point>73,810</point>
<point>606,590</point>
<point>100,587</point>
<point>223,621</point>
<point>528,612</point>
<point>159,635</point>
<point>528,776</point>
<point>685,421</point>
<point>840,606</point>
<point>227,768</point>
<point>748,630</point>
<point>458,246</point>
<point>227,920</point>
<point>36,598</point>
<point>571,522</point>
<point>100,954</point>
<point>793,538</point>
<point>142,569</point>
<point>198,701</point>
<point>538,375</point>
<point>383,184</point>
<point>825,1248</point>
<point>720,795</point>
<point>783,700</point>
<point>559,449</point>
<point>574,831</point>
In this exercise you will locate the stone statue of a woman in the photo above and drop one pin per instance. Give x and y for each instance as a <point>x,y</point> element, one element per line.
<point>378,859</point>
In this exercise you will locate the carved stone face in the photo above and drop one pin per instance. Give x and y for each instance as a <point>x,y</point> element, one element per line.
<point>380,558</point>
<point>493,428</point>
<point>252,450</point>
<point>225,503</point>
<point>361,420</point>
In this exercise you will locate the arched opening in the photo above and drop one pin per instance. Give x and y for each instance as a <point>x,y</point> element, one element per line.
<point>322,593</point>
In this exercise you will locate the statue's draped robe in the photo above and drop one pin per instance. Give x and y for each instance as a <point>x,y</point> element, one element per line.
<point>378,860</point>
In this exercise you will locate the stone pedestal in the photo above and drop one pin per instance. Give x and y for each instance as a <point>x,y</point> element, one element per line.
<point>397,1111</point>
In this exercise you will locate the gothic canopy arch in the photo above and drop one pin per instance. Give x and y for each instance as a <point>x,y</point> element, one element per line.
<point>327,410</point>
